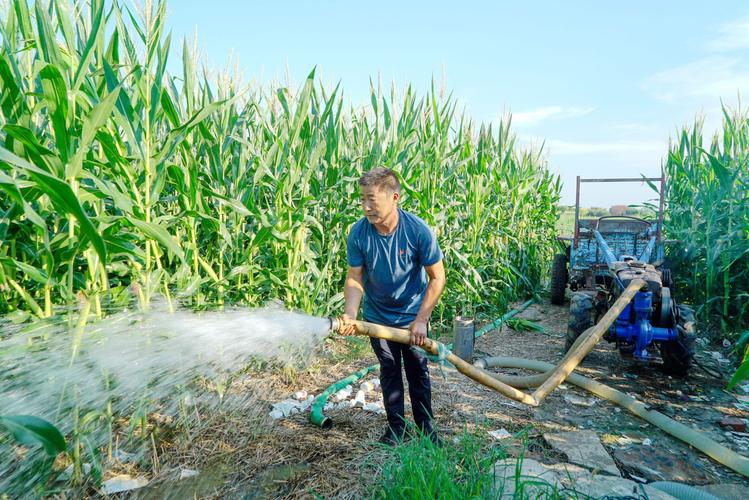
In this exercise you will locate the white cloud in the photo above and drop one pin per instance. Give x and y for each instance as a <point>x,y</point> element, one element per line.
<point>535,116</point>
<point>712,77</point>
<point>731,36</point>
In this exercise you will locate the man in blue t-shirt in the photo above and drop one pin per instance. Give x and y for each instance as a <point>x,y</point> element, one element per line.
<point>395,262</point>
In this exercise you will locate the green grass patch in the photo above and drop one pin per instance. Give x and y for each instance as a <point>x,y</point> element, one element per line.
<point>460,469</point>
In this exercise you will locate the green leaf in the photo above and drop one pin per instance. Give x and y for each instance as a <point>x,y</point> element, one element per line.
<point>28,430</point>
<point>160,234</point>
<point>741,373</point>
<point>9,185</point>
<point>56,97</point>
<point>47,39</point>
<point>62,197</point>
<point>88,51</point>
<point>35,274</point>
<point>95,119</point>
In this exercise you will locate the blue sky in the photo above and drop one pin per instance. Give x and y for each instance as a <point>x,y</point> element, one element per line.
<point>603,84</point>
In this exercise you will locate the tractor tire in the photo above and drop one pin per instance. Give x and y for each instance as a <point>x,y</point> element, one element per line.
<point>666,279</point>
<point>677,356</point>
<point>559,278</point>
<point>582,317</point>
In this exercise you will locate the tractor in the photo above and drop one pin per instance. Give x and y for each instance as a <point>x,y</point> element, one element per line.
<point>599,261</point>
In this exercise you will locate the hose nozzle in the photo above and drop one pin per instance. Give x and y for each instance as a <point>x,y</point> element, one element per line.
<point>335,324</point>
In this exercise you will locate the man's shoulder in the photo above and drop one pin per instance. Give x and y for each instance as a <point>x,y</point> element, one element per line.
<point>415,221</point>
<point>359,228</point>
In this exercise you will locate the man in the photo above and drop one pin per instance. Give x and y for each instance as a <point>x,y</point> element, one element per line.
<point>395,262</point>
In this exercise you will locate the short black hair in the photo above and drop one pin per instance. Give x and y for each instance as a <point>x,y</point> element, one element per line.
<point>381,177</point>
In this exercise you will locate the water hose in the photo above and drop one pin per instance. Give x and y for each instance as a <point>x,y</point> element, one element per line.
<point>717,452</point>
<point>317,415</point>
<point>443,353</point>
<point>683,491</point>
<point>580,349</point>
<point>582,346</point>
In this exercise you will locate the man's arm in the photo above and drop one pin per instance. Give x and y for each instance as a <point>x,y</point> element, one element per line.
<point>418,328</point>
<point>353,290</point>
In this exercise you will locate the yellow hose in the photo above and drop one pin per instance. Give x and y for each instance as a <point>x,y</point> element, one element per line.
<point>717,452</point>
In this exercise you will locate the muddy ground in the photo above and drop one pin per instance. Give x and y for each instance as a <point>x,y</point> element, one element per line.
<point>240,452</point>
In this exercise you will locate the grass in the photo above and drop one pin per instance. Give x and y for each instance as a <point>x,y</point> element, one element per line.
<point>419,469</point>
<point>463,468</point>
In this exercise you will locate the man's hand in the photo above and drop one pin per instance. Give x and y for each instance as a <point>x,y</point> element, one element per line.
<point>347,325</point>
<point>418,331</point>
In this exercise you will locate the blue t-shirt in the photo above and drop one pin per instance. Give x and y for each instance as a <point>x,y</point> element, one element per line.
<point>394,277</point>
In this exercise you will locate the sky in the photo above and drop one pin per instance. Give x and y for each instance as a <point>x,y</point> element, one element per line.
<point>602,85</point>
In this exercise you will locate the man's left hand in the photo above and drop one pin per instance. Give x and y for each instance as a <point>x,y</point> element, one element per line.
<point>418,331</point>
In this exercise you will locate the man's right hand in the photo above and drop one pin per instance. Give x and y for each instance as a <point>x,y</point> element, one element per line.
<point>347,325</point>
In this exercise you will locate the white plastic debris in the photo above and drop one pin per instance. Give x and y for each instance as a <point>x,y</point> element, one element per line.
<point>578,400</point>
<point>359,400</point>
<point>185,473</point>
<point>376,382</point>
<point>647,442</point>
<point>287,407</point>
<point>300,395</point>
<point>68,472</point>
<point>726,343</point>
<point>367,386</point>
<point>500,434</point>
<point>122,483</point>
<point>276,414</point>
<point>344,393</point>
<point>305,405</point>
<point>374,408</point>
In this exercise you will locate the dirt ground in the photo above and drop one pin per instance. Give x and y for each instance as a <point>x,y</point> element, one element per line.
<point>241,453</point>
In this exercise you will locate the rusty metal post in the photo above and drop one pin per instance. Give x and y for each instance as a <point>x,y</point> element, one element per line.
<point>463,336</point>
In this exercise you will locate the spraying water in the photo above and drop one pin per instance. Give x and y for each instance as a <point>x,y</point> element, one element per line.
<point>140,359</point>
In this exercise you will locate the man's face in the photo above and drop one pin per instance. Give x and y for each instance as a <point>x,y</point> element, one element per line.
<point>378,203</point>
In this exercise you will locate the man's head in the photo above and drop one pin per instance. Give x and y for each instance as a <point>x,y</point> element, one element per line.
<point>380,192</point>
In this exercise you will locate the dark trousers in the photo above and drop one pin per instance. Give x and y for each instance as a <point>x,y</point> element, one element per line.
<point>390,355</point>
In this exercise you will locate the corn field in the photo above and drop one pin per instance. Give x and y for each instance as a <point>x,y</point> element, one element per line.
<point>121,183</point>
<point>121,180</point>
<point>708,209</point>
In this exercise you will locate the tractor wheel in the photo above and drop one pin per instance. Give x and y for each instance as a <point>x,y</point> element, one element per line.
<point>666,279</point>
<point>677,356</point>
<point>582,317</point>
<point>559,278</point>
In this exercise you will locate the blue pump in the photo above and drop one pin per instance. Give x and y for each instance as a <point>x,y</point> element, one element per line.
<point>636,328</point>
